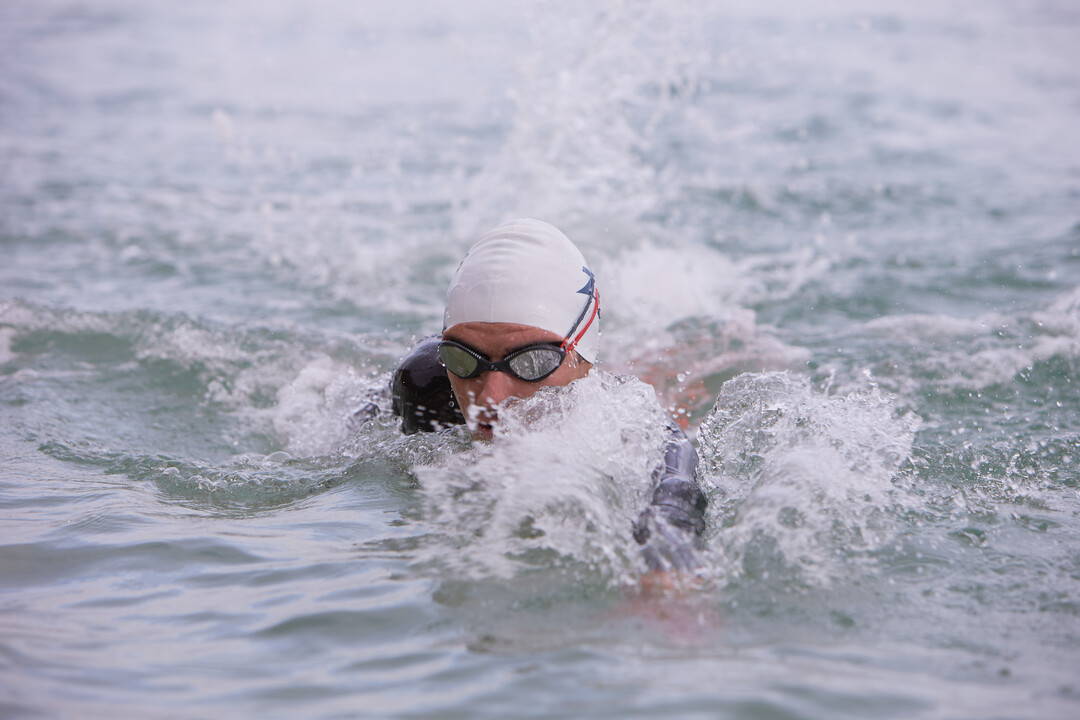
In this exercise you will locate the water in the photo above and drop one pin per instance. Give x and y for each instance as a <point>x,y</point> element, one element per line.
<point>222,224</point>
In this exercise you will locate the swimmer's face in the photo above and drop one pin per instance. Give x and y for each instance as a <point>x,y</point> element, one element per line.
<point>479,397</point>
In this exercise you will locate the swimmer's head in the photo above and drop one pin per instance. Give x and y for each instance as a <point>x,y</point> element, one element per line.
<point>528,273</point>
<point>521,285</point>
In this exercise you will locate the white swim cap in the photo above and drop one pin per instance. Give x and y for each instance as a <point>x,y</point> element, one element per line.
<point>527,272</point>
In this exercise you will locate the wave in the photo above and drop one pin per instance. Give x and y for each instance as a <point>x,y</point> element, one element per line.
<point>803,484</point>
<point>947,353</point>
<point>808,481</point>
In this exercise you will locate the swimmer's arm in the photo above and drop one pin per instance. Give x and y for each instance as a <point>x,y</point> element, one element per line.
<point>671,528</point>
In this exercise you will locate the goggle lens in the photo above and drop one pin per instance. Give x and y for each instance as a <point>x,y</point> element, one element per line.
<point>535,363</point>
<point>459,361</point>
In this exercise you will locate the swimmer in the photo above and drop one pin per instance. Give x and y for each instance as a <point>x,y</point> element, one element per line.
<point>523,312</point>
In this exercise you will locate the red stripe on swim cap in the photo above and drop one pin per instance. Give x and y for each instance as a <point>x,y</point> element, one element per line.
<point>568,346</point>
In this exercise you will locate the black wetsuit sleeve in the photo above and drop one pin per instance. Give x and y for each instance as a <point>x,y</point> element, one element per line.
<point>671,527</point>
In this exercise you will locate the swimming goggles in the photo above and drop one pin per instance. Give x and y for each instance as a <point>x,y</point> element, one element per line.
<point>531,363</point>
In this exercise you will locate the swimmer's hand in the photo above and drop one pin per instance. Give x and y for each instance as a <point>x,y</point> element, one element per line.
<point>670,536</point>
<point>670,530</point>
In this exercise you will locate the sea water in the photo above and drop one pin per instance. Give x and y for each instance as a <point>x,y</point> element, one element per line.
<point>839,242</point>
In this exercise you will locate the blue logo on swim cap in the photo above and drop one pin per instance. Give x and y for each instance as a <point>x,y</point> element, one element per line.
<point>587,289</point>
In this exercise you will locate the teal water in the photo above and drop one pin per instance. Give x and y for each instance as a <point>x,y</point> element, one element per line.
<point>843,243</point>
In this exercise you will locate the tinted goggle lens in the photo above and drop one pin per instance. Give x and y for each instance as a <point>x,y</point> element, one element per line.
<point>531,364</point>
<point>459,361</point>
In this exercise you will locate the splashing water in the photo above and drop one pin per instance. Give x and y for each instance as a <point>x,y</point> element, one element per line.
<point>581,65</point>
<point>803,482</point>
<point>211,259</point>
<point>807,479</point>
<point>563,480</point>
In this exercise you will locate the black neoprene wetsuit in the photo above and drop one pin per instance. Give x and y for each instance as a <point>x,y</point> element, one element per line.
<point>669,530</point>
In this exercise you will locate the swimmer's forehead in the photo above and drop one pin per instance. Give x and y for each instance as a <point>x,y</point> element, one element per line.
<point>497,338</point>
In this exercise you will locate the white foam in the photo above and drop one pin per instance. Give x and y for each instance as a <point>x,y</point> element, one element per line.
<point>313,410</point>
<point>29,317</point>
<point>805,477</point>
<point>801,481</point>
<point>652,286</point>
<point>7,334</point>
<point>563,480</point>
<point>582,121</point>
<point>677,317</point>
<point>1062,319</point>
<point>975,353</point>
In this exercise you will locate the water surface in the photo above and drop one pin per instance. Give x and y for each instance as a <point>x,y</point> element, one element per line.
<point>843,245</point>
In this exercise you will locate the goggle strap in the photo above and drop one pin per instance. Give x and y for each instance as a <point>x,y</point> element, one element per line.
<point>567,343</point>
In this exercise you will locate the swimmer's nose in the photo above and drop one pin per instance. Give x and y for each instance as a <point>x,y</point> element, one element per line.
<point>496,387</point>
